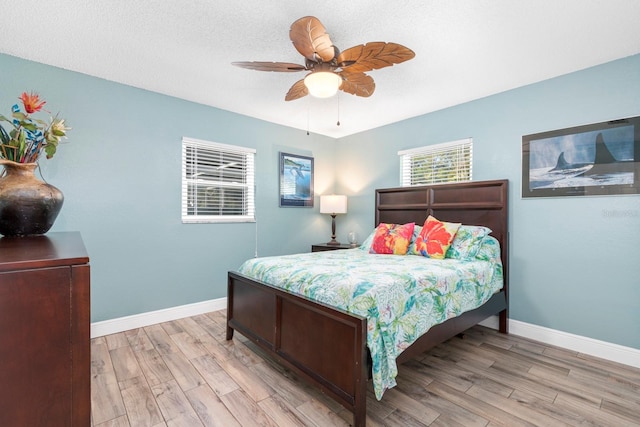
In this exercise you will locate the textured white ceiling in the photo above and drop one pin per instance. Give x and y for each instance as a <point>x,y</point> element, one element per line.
<point>465,49</point>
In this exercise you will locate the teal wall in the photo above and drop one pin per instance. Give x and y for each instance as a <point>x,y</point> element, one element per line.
<point>574,265</point>
<point>120,173</point>
<point>574,262</point>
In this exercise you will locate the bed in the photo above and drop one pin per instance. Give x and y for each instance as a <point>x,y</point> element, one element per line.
<point>326,345</point>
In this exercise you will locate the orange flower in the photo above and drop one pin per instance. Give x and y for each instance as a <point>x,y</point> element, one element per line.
<point>31,102</point>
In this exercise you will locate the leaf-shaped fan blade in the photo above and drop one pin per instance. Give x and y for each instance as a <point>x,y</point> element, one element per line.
<point>372,56</point>
<point>358,84</point>
<point>286,67</point>
<point>298,90</point>
<point>310,38</point>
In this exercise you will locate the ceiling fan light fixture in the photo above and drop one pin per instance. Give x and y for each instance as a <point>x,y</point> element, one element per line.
<point>323,84</point>
<point>331,69</point>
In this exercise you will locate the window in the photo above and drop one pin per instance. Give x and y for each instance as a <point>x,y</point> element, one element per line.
<point>217,182</point>
<point>437,164</point>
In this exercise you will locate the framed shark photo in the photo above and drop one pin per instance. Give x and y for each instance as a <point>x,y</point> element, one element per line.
<point>296,180</point>
<point>590,160</point>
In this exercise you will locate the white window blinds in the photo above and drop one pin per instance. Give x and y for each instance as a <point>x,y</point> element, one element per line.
<point>437,164</point>
<point>217,182</point>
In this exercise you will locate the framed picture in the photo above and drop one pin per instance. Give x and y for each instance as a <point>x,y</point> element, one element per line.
<point>596,159</point>
<point>296,180</point>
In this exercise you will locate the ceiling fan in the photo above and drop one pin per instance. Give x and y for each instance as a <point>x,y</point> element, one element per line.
<point>330,69</point>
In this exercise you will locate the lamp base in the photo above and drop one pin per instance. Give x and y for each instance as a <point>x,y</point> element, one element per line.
<point>333,241</point>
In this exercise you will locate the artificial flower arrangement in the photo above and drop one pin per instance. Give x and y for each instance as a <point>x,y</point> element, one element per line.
<point>30,136</point>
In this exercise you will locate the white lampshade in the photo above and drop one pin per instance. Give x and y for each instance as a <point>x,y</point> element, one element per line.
<point>323,84</point>
<point>333,204</point>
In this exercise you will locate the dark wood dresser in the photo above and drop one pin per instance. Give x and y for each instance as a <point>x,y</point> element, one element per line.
<point>45,354</point>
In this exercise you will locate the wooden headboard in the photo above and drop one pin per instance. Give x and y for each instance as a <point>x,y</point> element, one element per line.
<point>473,203</point>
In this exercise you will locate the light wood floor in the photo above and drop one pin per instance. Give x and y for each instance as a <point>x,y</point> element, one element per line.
<point>184,373</point>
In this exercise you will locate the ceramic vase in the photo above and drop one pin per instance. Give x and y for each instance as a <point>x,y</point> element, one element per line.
<point>28,206</point>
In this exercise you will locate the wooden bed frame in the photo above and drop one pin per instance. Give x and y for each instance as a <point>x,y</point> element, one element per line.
<point>334,356</point>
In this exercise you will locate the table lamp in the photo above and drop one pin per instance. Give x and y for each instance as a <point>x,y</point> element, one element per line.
<point>333,204</point>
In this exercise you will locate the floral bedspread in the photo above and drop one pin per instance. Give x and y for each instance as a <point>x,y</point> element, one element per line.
<point>402,296</point>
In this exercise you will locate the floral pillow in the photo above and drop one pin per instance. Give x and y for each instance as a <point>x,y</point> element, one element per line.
<point>392,239</point>
<point>412,245</point>
<point>436,237</point>
<point>467,242</point>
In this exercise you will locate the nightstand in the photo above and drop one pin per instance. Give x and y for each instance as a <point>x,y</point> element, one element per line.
<point>324,247</point>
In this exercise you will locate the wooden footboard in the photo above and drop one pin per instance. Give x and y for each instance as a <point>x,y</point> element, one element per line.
<point>325,346</point>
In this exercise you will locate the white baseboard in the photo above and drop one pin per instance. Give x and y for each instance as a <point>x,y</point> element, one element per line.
<point>108,327</point>
<point>605,350</point>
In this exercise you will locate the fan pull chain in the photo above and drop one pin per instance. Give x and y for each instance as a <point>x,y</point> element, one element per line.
<point>338,123</point>
<point>308,113</point>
